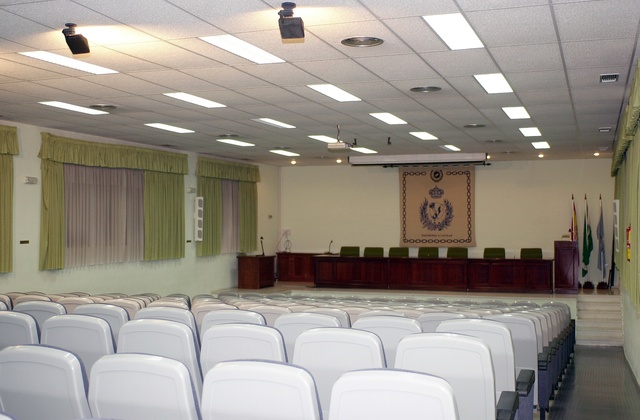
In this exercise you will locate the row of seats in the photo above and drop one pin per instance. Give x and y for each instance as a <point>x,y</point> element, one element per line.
<point>434,252</point>
<point>290,327</point>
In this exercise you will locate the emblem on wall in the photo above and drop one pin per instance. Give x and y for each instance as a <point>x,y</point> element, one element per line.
<point>436,214</point>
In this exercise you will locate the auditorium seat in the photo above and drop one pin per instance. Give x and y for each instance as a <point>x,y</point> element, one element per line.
<point>343,316</point>
<point>231,316</point>
<point>463,361</point>
<point>457,252</point>
<point>87,337</point>
<point>531,253</point>
<point>248,389</point>
<point>181,315</point>
<point>40,310</point>
<point>270,312</point>
<point>382,394</point>
<point>131,305</point>
<point>200,309</point>
<point>40,382</point>
<point>494,253</point>
<point>241,341</point>
<point>114,315</point>
<point>31,298</point>
<point>428,252</point>
<point>350,251</point>
<point>163,338</point>
<point>141,386</point>
<point>329,352</point>
<point>390,329</point>
<point>169,303</point>
<point>70,303</point>
<point>373,251</point>
<point>293,324</point>
<point>7,301</point>
<point>429,321</point>
<point>398,252</point>
<point>17,328</point>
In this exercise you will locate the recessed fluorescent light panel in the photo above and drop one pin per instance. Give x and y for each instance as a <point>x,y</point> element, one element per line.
<point>70,107</point>
<point>493,83</point>
<point>363,150</point>
<point>516,112</point>
<point>388,118</point>
<point>235,142</point>
<point>284,152</point>
<point>68,62</point>
<point>243,49</point>
<point>192,99</point>
<point>274,123</point>
<point>454,30</point>
<point>530,131</point>
<point>451,147</point>
<point>170,128</point>
<point>423,135</point>
<point>540,145</point>
<point>323,138</point>
<point>335,92</point>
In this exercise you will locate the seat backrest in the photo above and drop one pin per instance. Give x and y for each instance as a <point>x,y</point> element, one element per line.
<point>131,305</point>
<point>329,352</point>
<point>250,389</point>
<point>31,298</point>
<point>139,386</point>
<point>373,251</point>
<point>463,361</point>
<point>70,303</point>
<point>493,253</point>
<point>531,253</point>
<point>163,338</point>
<point>498,337</point>
<point>382,394</point>
<point>398,252</point>
<point>429,321</point>
<point>87,337</point>
<point>181,315</point>
<point>7,301</point>
<point>232,316</point>
<point>350,251</point>
<point>428,252</point>
<point>390,329</point>
<point>271,312</point>
<point>343,316</point>
<point>116,316</point>
<point>457,252</point>
<point>226,342</point>
<point>169,303</point>
<point>199,309</point>
<point>293,324</point>
<point>40,382</point>
<point>40,310</point>
<point>17,328</point>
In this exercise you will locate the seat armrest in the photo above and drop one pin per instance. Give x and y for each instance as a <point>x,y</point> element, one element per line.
<point>507,405</point>
<point>544,359</point>
<point>524,382</point>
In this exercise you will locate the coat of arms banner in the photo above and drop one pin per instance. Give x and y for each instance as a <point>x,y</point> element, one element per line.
<point>437,206</point>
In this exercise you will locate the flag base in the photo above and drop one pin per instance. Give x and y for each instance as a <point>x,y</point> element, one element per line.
<point>603,286</point>
<point>587,285</point>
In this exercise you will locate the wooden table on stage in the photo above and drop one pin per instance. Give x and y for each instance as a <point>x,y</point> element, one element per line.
<point>446,274</point>
<point>255,272</point>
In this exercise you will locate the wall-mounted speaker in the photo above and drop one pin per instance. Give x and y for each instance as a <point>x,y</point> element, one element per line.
<point>616,224</point>
<point>198,214</point>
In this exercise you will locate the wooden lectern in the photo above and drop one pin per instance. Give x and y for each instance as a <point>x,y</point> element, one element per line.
<point>255,272</point>
<point>567,264</point>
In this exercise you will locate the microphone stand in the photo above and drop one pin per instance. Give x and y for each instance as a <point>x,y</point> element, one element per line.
<point>262,245</point>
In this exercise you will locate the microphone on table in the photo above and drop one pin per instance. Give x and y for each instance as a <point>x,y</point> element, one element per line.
<point>262,245</point>
<point>329,252</point>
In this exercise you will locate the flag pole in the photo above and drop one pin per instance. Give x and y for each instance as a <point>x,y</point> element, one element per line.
<point>587,246</point>
<point>602,258</point>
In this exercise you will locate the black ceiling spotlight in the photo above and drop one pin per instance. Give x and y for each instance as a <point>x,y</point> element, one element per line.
<point>291,28</point>
<point>77,43</point>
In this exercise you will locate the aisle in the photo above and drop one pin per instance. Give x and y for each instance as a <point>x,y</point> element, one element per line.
<point>598,385</point>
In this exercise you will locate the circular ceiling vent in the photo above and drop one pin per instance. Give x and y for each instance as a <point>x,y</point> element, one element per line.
<point>362,41</point>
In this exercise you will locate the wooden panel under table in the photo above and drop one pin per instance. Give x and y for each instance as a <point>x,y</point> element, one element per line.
<point>295,266</point>
<point>502,275</point>
<point>356,272</point>
<point>428,274</point>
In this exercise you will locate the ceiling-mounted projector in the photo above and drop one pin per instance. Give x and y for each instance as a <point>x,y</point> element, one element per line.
<point>338,146</point>
<point>428,159</point>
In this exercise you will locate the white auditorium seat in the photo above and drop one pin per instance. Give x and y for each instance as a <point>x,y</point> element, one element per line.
<point>70,303</point>
<point>116,316</point>
<point>200,309</point>
<point>40,310</point>
<point>271,312</point>
<point>390,329</point>
<point>181,315</point>
<point>17,328</point>
<point>243,390</point>
<point>231,316</point>
<point>291,325</point>
<point>343,316</point>
<point>429,321</point>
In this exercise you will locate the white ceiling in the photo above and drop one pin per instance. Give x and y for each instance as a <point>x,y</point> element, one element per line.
<point>552,52</point>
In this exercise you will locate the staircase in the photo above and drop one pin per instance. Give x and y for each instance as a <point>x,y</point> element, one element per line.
<point>599,321</point>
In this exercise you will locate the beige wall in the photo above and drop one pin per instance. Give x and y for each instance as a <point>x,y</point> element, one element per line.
<point>518,204</point>
<point>190,275</point>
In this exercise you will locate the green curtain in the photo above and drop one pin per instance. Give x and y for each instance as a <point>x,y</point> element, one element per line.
<point>207,171</point>
<point>248,217</point>
<point>165,200</point>
<point>628,124</point>
<point>211,191</point>
<point>164,236</point>
<point>52,224</point>
<point>8,148</point>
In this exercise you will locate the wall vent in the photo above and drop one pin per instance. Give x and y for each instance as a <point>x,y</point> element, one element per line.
<point>609,78</point>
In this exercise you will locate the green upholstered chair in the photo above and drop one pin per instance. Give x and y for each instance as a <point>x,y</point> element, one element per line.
<point>456,252</point>
<point>373,251</point>
<point>398,251</point>
<point>494,253</point>
<point>350,251</point>
<point>428,252</point>
<point>531,253</point>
